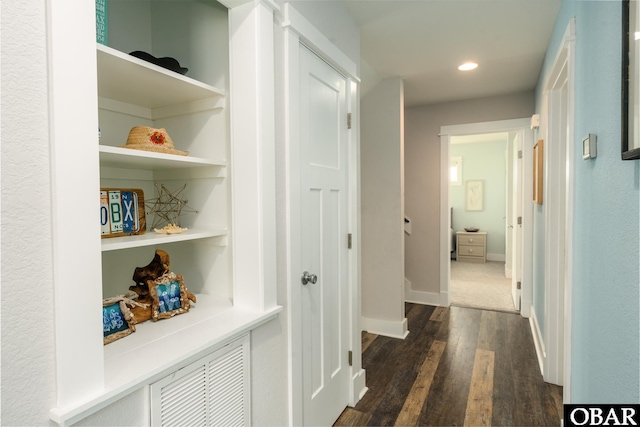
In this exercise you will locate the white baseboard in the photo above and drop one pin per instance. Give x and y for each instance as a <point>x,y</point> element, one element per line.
<point>359,387</point>
<point>496,257</point>
<point>425,298</point>
<point>387,328</point>
<point>538,341</point>
<point>508,273</point>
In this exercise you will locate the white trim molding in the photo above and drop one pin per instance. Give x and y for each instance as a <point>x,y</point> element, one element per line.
<point>310,36</point>
<point>538,341</point>
<point>359,381</point>
<point>559,98</point>
<point>496,257</point>
<point>387,328</point>
<point>425,298</point>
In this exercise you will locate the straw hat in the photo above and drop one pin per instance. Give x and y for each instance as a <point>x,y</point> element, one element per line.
<point>150,139</point>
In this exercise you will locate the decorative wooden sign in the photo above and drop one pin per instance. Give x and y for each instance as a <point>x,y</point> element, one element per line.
<point>122,212</point>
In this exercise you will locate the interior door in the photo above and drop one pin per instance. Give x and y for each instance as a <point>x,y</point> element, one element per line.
<point>518,201</point>
<point>324,257</point>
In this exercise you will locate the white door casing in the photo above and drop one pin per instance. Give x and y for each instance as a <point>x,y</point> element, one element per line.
<point>558,128</point>
<point>516,221</point>
<point>522,126</point>
<point>324,209</point>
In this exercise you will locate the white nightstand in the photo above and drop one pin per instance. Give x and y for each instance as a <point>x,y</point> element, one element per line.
<point>471,247</point>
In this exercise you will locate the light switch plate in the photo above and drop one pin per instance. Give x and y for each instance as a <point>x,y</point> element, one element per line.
<point>589,147</point>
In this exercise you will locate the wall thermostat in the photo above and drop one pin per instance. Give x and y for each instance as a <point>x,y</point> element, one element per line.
<point>589,147</point>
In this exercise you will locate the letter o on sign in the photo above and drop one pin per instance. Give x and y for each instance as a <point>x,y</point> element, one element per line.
<point>585,417</point>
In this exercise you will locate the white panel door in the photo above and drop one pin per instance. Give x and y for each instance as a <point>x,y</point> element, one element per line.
<point>324,216</point>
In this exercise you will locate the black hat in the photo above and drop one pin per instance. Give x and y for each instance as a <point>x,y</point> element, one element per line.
<point>166,62</point>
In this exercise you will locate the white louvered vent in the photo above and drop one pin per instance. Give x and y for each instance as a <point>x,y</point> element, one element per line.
<point>214,391</point>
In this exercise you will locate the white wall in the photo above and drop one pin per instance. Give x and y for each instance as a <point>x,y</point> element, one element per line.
<point>382,181</point>
<point>485,161</point>
<point>28,366</point>
<point>422,174</point>
<point>28,363</point>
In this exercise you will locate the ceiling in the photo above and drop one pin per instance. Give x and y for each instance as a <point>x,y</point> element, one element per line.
<point>424,41</point>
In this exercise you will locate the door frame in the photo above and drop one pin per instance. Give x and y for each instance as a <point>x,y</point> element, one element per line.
<point>515,206</point>
<point>559,119</point>
<point>446,133</point>
<point>298,30</point>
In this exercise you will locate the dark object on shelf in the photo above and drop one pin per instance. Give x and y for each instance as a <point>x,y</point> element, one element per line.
<point>471,229</point>
<point>158,266</point>
<point>165,62</point>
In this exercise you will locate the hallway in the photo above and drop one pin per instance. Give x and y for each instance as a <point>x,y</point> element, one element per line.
<point>458,366</point>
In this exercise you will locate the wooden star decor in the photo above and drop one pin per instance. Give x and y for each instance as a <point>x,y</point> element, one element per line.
<point>168,206</point>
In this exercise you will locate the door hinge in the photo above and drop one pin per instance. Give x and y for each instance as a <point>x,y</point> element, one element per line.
<point>349,241</point>
<point>350,358</point>
<point>348,120</point>
<point>519,154</point>
<point>519,220</point>
<point>519,285</point>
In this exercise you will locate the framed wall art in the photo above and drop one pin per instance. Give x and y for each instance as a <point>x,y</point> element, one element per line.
<point>169,296</point>
<point>117,319</point>
<point>475,196</point>
<point>630,80</point>
<point>538,170</point>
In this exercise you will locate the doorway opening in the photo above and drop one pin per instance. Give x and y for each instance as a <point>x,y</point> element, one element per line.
<point>483,216</point>
<point>510,248</point>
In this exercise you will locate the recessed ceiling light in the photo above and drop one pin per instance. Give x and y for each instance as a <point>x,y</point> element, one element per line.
<point>468,66</point>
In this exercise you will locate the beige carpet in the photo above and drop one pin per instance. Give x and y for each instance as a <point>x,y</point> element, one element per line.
<point>481,286</point>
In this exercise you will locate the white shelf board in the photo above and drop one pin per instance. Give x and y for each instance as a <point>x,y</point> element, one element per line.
<point>151,238</point>
<point>128,158</point>
<point>125,78</point>
<point>159,348</point>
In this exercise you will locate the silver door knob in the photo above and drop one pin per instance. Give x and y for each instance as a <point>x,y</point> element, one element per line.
<point>308,278</point>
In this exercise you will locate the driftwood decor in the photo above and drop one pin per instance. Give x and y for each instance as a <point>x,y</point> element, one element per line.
<point>163,293</point>
<point>157,294</point>
<point>159,265</point>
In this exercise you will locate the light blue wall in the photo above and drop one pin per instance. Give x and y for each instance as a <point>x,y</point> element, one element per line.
<point>484,161</point>
<point>605,317</point>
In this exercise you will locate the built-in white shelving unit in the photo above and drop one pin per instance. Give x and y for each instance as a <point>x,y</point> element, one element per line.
<point>227,254</point>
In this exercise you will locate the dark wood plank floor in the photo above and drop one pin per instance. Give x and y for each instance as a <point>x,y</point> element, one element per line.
<point>457,367</point>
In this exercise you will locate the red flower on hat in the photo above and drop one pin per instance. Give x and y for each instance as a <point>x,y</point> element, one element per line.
<point>157,138</point>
